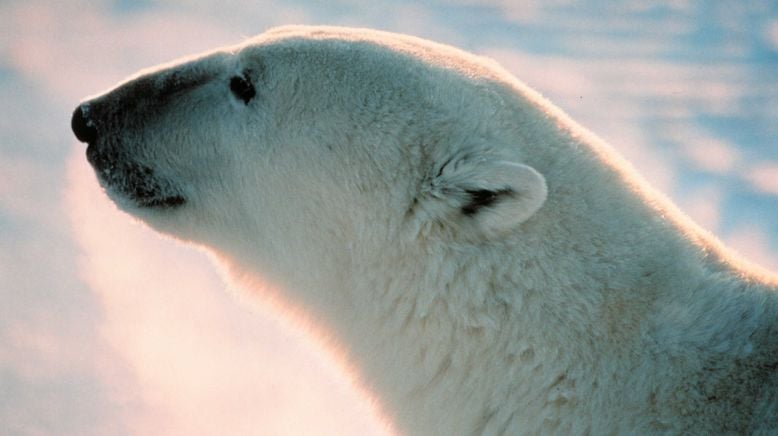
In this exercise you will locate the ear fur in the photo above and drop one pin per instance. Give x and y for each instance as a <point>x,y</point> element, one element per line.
<point>482,196</point>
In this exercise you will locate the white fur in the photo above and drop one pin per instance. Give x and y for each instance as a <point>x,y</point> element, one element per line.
<point>578,301</point>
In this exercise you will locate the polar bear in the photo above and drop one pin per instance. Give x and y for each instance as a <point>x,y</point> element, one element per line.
<point>486,264</point>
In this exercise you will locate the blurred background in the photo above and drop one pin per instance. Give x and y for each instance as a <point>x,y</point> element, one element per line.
<point>108,328</point>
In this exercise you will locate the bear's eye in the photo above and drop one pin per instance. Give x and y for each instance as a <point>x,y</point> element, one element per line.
<point>242,88</point>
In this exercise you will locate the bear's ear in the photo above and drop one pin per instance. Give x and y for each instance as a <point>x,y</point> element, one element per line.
<point>481,197</point>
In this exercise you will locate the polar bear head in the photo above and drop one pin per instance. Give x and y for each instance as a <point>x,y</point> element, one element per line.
<point>306,140</point>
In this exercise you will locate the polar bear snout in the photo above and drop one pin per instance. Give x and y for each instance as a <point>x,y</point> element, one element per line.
<point>83,127</point>
<point>124,175</point>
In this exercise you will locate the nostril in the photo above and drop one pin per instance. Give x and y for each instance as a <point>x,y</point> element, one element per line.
<point>82,126</point>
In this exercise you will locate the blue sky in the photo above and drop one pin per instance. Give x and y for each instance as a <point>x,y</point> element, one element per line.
<point>107,328</point>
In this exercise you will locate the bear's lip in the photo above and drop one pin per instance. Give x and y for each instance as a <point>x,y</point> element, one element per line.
<point>131,180</point>
<point>163,202</point>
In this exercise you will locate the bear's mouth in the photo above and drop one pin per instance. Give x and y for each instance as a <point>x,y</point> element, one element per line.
<point>132,180</point>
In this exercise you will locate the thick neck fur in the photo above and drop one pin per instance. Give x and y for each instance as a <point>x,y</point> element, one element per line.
<point>568,334</point>
<point>589,325</point>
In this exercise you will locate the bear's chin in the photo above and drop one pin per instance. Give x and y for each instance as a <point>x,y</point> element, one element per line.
<point>133,184</point>
<point>141,199</point>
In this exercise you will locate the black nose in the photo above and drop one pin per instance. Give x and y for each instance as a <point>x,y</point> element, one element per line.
<point>82,126</point>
